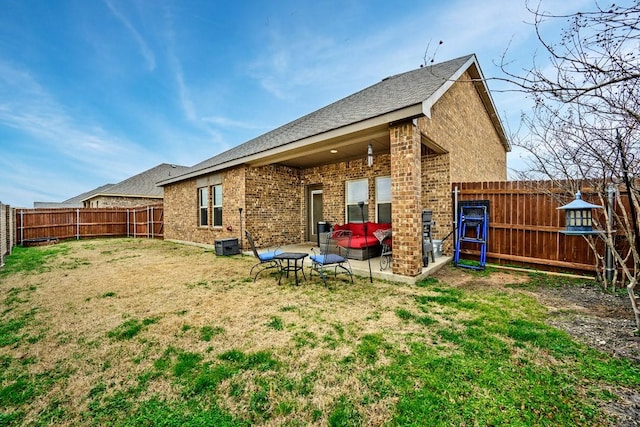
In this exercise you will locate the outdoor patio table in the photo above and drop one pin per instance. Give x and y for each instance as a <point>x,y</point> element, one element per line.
<point>292,259</point>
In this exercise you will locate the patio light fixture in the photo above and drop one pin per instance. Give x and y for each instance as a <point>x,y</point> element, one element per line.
<point>370,155</point>
<point>578,218</point>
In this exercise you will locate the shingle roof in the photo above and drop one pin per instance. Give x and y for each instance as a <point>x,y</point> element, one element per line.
<point>80,197</point>
<point>141,185</point>
<point>391,94</point>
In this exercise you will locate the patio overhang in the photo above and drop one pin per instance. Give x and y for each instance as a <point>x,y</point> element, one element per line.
<point>337,145</point>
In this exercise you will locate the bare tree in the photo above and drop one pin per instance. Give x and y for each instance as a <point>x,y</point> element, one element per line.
<point>585,122</point>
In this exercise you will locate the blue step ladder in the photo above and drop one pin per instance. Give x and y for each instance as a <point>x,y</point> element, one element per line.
<point>473,227</point>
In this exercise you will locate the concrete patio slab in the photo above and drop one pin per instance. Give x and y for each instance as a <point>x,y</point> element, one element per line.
<point>361,268</point>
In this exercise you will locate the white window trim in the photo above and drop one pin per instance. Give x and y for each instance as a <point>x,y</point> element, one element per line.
<point>201,206</point>
<point>378,201</point>
<point>214,206</point>
<point>346,196</point>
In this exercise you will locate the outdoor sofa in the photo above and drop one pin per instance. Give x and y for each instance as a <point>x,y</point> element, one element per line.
<point>362,247</point>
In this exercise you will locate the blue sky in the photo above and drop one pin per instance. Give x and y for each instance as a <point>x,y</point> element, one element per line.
<point>95,91</point>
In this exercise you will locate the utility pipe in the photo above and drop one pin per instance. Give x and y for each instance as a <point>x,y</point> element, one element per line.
<point>611,191</point>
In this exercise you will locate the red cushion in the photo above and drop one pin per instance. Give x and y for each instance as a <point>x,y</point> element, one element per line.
<point>357,228</point>
<point>361,242</point>
<point>337,227</point>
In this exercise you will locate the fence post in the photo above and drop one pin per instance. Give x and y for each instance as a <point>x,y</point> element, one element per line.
<point>135,225</point>
<point>127,222</point>
<point>77,224</point>
<point>21,226</point>
<point>147,222</point>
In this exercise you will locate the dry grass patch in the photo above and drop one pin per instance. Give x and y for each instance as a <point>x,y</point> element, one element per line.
<point>131,331</point>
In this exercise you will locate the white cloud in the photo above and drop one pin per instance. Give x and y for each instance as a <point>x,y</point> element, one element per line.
<point>145,51</point>
<point>226,122</point>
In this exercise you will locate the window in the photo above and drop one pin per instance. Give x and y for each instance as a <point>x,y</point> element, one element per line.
<point>383,199</point>
<point>203,207</point>
<point>217,205</point>
<point>357,191</point>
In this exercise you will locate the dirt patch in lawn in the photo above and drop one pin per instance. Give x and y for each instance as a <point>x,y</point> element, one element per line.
<point>598,319</point>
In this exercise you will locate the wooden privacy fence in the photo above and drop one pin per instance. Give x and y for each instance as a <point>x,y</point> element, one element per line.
<point>77,223</point>
<point>525,224</point>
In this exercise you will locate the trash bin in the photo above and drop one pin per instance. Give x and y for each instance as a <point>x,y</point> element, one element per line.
<point>437,247</point>
<point>322,227</point>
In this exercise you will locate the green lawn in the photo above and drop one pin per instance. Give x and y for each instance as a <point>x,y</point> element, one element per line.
<point>146,332</point>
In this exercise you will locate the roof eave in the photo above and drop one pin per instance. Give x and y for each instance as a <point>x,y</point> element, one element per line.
<point>145,196</point>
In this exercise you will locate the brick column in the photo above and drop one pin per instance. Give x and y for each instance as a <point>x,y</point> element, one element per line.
<point>406,199</point>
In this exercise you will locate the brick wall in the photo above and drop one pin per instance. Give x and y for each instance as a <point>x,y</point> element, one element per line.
<point>270,198</point>
<point>121,202</point>
<point>181,210</point>
<point>460,124</point>
<point>4,230</point>
<point>436,194</point>
<point>274,196</point>
<point>333,177</point>
<point>406,199</point>
<point>7,231</point>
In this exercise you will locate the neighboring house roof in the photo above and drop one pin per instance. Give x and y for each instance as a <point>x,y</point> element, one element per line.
<point>406,95</point>
<point>141,185</point>
<point>80,197</point>
<point>74,202</point>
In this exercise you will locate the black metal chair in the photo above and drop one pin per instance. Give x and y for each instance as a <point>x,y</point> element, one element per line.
<point>325,260</point>
<point>266,259</point>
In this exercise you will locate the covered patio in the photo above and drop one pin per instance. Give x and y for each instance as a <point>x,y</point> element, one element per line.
<point>361,268</point>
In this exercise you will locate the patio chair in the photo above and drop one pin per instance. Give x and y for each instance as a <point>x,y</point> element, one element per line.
<point>325,261</point>
<point>384,237</point>
<point>266,259</point>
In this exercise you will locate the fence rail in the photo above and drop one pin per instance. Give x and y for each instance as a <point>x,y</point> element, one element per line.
<point>77,223</point>
<point>525,225</point>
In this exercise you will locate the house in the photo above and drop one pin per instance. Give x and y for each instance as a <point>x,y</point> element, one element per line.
<point>73,202</point>
<point>424,129</point>
<point>138,190</point>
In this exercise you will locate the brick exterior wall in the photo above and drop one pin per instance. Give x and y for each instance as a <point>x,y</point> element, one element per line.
<point>406,199</point>
<point>436,195</point>
<point>120,202</point>
<point>181,211</point>
<point>274,211</point>
<point>270,198</point>
<point>333,177</point>
<point>460,124</point>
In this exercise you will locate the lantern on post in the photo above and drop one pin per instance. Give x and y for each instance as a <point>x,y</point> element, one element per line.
<point>578,217</point>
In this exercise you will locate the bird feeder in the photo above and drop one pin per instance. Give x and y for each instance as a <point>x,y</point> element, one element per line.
<point>578,216</point>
